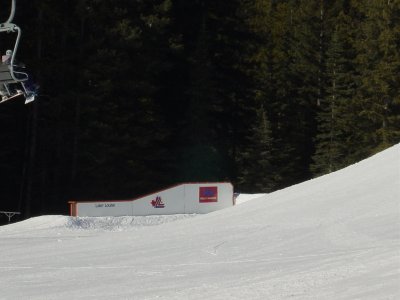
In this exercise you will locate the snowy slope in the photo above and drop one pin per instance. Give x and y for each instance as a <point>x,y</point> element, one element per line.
<point>335,237</point>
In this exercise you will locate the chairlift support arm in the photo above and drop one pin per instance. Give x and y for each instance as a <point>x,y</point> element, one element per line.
<point>12,13</point>
<point>11,17</point>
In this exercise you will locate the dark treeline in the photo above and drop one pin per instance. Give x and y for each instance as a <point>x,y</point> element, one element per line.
<point>137,95</point>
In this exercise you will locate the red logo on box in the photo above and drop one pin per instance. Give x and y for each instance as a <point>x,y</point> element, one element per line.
<point>157,203</point>
<point>208,194</point>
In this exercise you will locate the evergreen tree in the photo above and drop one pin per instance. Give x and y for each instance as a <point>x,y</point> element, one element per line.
<point>305,71</point>
<point>377,99</point>
<point>257,170</point>
<point>281,86</point>
<point>294,68</point>
<point>256,158</point>
<point>334,139</point>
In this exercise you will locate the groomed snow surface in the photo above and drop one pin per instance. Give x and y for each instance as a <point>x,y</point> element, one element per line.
<point>334,237</point>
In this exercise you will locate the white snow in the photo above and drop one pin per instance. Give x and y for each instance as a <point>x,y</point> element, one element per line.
<point>334,237</point>
<point>243,198</point>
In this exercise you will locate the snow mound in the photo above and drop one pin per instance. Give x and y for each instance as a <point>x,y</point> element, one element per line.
<point>243,198</point>
<point>37,223</point>
<point>122,223</point>
<point>333,237</point>
<point>91,223</point>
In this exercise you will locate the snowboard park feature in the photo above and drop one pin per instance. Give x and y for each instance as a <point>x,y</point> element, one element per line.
<point>187,198</point>
<point>333,237</point>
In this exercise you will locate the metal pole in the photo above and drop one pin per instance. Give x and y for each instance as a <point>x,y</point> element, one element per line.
<point>12,14</point>
<point>10,214</point>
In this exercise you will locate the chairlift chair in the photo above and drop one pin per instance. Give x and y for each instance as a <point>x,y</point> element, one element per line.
<point>8,73</point>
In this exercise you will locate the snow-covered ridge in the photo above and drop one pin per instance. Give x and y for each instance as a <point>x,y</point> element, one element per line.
<point>333,237</point>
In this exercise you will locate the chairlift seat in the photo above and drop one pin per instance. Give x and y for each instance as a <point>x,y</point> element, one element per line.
<point>5,74</point>
<point>6,77</point>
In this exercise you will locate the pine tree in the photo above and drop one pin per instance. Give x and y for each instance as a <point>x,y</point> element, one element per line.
<point>257,170</point>
<point>294,68</point>
<point>334,138</point>
<point>377,99</point>
<point>281,89</point>
<point>257,155</point>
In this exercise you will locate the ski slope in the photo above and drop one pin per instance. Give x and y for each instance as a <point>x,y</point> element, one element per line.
<point>334,237</point>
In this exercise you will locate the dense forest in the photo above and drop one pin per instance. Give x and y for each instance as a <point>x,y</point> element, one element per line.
<point>137,95</point>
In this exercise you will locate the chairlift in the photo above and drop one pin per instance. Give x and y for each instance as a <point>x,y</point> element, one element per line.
<point>10,72</point>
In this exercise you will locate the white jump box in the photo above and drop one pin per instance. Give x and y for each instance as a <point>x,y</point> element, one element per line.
<point>187,198</point>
